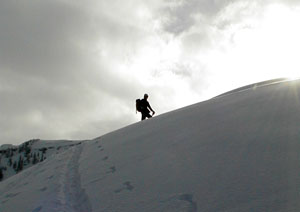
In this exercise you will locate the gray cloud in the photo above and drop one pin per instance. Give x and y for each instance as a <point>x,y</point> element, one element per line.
<point>51,72</point>
<point>35,36</point>
<point>181,17</point>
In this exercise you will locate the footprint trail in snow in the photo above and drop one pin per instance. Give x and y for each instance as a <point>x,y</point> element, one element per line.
<point>69,195</point>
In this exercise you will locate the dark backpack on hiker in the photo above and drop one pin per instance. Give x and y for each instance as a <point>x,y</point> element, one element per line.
<point>138,105</point>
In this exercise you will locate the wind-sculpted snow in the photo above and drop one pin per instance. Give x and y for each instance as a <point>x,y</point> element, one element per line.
<point>232,153</point>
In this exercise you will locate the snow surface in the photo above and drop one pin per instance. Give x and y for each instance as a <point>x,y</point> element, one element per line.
<point>236,152</point>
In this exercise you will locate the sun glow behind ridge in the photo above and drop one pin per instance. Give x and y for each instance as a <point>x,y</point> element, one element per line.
<point>262,49</point>
<point>275,45</point>
<point>283,32</point>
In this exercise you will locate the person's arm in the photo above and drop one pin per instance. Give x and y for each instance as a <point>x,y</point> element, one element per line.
<point>151,108</point>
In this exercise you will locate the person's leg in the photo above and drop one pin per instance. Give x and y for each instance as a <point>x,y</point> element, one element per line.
<point>143,116</point>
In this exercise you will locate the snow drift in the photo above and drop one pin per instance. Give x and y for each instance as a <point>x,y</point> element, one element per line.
<point>235,152</point>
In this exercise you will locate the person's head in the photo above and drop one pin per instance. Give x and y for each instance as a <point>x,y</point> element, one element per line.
<point>145,96</point>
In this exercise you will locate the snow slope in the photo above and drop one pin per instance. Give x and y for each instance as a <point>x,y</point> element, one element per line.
<point>236,152</point>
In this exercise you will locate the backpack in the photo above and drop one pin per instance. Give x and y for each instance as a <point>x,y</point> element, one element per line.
<point>138,105</point>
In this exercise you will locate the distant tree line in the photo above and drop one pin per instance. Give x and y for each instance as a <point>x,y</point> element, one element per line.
<point>25,157</point>
<point>18,158</point>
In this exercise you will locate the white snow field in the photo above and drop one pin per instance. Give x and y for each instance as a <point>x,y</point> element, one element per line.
<point>236,152</point>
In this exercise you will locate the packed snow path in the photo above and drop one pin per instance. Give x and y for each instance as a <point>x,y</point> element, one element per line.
<point>53,185</point>
<point>69,196</point>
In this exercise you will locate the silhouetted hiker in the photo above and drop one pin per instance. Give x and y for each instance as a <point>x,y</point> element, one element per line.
<point>143,106</point>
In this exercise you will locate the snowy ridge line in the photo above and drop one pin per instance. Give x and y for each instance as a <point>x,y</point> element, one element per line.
<point>254,86</point>
<point>70,197</point>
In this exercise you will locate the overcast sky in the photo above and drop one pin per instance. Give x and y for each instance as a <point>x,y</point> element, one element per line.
<point>73,69</point>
